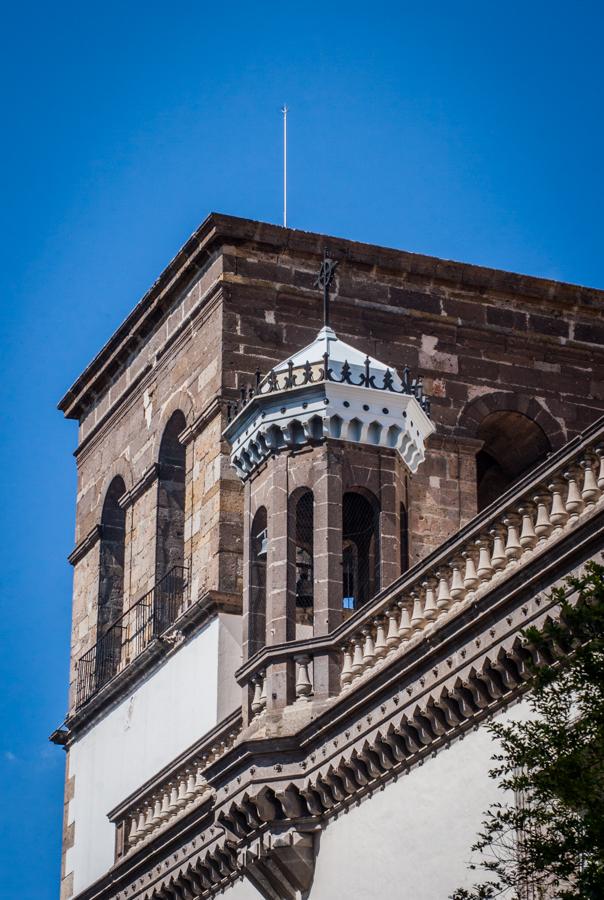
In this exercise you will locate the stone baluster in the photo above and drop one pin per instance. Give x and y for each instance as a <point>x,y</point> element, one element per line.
<point>263,691</point>
<point>182,790</point>
<point>256,702</point>
<point>574,503</point>
<point>590,492</point>
<point>173,806</point>
<point>133,831</point>
<point>430,608</point>
<point>558,515</point>
<point>513,547</point>
<point>368,647</point>
<point>200,781</point>
<point>599,451</point>
<point>381,647</point>
<point>417,616</point>
<point>303,683</point>
<point>141,826</point>
<point>392,638</point>
<point>458,591</point>
<point>147,823</point>
<point>498,557</point>
<point>357,657</point>
<point>485,570</point>
<point>404,628</point>
<point>470,580</point>
<point>190,790</point>
<point>156,818</point>
<point>165,805</point>
<point>346,674</point>
<point>443,599</point>
<point>528,536</point>
<point>543,525</point>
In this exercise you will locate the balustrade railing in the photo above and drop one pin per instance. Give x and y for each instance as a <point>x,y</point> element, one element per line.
<point>174,793</point>
<point>532,515</point>
<point>128,635</point>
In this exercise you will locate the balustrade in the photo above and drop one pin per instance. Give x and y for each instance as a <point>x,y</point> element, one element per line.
<point>537,515</point>
<point>176,795</point>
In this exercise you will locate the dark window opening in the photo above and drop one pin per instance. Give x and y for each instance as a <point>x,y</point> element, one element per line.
<point>111,579</point>
<point>513,444</point>
<point>304,527</point>
<point>360,550</point>
<point>257,610</point>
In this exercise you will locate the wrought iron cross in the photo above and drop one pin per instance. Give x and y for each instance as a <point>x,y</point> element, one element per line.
<point>324,279</point>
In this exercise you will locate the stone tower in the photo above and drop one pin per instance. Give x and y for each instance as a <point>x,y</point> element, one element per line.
<point>299,585</point>
<point>323,445</point>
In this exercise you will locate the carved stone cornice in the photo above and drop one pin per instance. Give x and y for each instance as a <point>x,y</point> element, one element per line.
<point>204,307</point>
<point>85,545</point>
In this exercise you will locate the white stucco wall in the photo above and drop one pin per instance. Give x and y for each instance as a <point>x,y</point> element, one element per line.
<point>410,841</point>
<point>164,715</point>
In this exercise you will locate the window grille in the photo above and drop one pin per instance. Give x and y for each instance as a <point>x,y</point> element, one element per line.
<point>360,550</point>
<point>258,556</point>
<point>304,528</point>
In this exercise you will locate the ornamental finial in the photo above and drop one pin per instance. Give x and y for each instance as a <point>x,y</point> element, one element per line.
<point>324,279</point>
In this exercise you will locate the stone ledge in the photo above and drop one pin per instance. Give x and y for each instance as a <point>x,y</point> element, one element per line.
<point>188,623</point>
<point>85,545</point>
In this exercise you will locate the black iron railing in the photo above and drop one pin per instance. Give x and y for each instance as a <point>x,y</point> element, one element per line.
<point>128,636</point>
<point>299,376</point>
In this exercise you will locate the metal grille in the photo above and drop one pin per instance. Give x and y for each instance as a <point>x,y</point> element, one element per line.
<point>304,554</point>
<point>360,550</point>
<point>127,637</point>
<point>258,556</point>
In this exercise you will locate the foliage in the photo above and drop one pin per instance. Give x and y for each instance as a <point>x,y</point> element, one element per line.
<point>548,842</point>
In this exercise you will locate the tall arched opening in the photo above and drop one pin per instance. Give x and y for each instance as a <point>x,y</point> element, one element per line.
<point>111,582</point>
<point>513,444</point>
<point>360,548</point>
<point>257,610</point>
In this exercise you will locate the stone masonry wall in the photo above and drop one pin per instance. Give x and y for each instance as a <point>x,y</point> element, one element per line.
<point>185,376</point>
<point>479,350</point>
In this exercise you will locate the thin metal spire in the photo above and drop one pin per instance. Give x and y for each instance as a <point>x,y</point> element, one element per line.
<point>284,110</point>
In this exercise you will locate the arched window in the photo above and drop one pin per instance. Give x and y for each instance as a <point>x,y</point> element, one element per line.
<point>404,537</point>
<point>257,610</point>
<point>360,548</point>
<point>304,556</point>
<point>170,546</point>
<point>513,443</point>
<point>111,581</point>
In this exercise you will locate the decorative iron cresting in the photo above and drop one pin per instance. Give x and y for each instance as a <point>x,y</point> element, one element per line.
<point>306,374</point>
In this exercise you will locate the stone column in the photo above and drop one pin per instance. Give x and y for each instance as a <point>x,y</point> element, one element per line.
<point>280,613</point>
<point>327,561</point>
<point>389,523</point>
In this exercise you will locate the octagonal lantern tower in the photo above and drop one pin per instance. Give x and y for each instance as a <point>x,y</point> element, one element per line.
<point>324,444</point>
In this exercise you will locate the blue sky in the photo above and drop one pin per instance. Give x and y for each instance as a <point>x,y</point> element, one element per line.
<point>470,131</point>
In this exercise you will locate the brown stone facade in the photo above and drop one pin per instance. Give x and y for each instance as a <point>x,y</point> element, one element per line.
<point>241,295</point>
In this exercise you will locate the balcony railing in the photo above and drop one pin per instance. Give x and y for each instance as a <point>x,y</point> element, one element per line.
<point>128,636</point>
<point>535,514</point>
